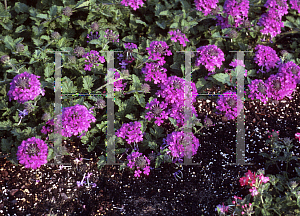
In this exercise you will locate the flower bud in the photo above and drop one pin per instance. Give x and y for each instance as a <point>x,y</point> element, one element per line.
<point>4,59</point>
<point>233,34</point>
<point>94,26</point>
<point>55,35</point>
<point>20,48</point>
<point>46,117</point>
<point>72,59</point>
<point>79,51</point>
<point>145,88</point>
<point>100,104</point>
<point>284,52</point>
<point>67,11</point>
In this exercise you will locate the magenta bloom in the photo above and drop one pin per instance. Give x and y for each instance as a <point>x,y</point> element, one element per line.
<point>290,68</point>
<point>253,191</point>
<point>131,131</point>
<point>238,9</point>
<point>280,6</point>
<point>280,85</point>
<point>154,72</point>
<point>228,104</point>
<point>130,46</point>
<point>133,3</point>
<point>25,87</point>
<point>297,136</point>
<point>157,110</point>
<point>157,50</point>
<point>222,208</point>
<point>93,58</point>
<point>210,56</point>
<point>266,57</point>
<point>32,153</point>
<point>177,35</point>
<point>118,85</point>
<point>181,144</point>
<point>258,90</point>
<point>236,62</point>
<point>206,6</point>
<point>295,5</point>
<point>111,36</point>
<point>271,22</point>
<point>140,161</point>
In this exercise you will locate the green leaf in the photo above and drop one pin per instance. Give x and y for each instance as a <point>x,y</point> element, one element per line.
<point>101,162</point>
<point>165,13</point>
<point>42,16</point>
<point>200,83</point>
<point>153,145</point>
<point>20,29</point>
<point>50,154</point>
<point>48,70</point>
<point>8,25</point>
<point>21,7</point>
<point>45,37</point>
<point>88,83</point>
<point>37,42</point>
<point>289,24</point>
<point>140,99</point>
<point>141,22</point>
<point>173,121</point>
<point>82,3</point>
<point>216,35</point>
<point>222,77</point>
<point>9,42</point>
<point>130,116</point>
<point>162,24</point>
<point>68,86</point>
<point>129,38</point>
<point>6,144</point>
<point>159,8</point>
<point>174,25</point>
<point>52,11</point>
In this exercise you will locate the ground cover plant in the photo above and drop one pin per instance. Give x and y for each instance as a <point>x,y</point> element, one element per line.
<point>150,96</point>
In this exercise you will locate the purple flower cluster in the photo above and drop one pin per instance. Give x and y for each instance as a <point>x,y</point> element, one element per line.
<point>25,87</point>
<point>228,104</point>
<point>221,21</point>
<point>290,68</point>
<point>75,120</point>
<point>157,110</point>
<point>295,5</point>
<point>181,144</point>
<point>272,20</point>
<point>92,37</point>
<point>133,3</point>
<point>131,131</point>
<point>177,35</point>
<point>32,153</point>
<point>206,6</point>
<point>155,72</point>
<point>258,90</point>
<point>140,161</point>
<point>93,58</point>
<point>238,9</point>
<point>280,86</point>
<point>111,36</point>
<point>157,49</point>
<point>210,56</point>
<point>266,57</point>
<point>130,46</point>
<point>118,85</point>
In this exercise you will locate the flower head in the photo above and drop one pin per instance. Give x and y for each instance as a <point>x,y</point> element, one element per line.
<point>55,35</point>
<point>205,6</point>
<point>111,36</point>
<point>79,51</point>
<point>25,87</point>
<point>94,26</point>
<point>157,50</point>
<point>177,35</point>
<point>100,104</point>
<point>258,90</point>
<point>32,153</point>
<point>228,103</point>
<point>131,131</point>
<point>93,58</point>
<point>67,11</point>
<point>92,36</point>
<point>4,59</point>
<point>20,47</point>
<point>133,3</point>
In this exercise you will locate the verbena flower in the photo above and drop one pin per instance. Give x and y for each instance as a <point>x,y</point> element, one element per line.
<point>118,85</point>
<point>75,120</point>
<point>140,161</point>
<point>20,47</point>
<point>67,11</point>
<point>32,153</point>
<point>100,104</point>
<point>281,85</point>
<point>55,35</point>
<point>221,21</point>
<point>181,144</point>
<point>222,208</point>
<point>238,9</point>
<point>157,50</point>
<point>210,56</point>
<point>4,59</point>
<point>157,110</point>
<point>271,22</point>
<point>266,56</point>
<point>93,58</point>
<point>177,35</point>
<point>130,46</point>
<point>133,3</point>
<point>111,36</point>
<point>131,131</point>
<point>25,87</point>
<point>295,4</point>
<point>94,26</point>
<point>280,6</point>
<point>228,104</point>
<point>233,34</point>
<point>92,36</point>
<point>79,51</point>
<point>206,6</point>
<point>290,68</point>
<point>154,72</point>
<point>258,90</point>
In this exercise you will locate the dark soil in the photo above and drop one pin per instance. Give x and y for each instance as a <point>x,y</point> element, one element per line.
<point>120,193</point>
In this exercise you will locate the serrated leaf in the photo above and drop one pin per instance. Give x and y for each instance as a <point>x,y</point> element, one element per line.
<point>37,42</point>
<point>21,7</point>
<point>8,25</point>
<point>52,11</point>
<point>82,3</point>
<point>68,86</point>
<point>141,22</point>
<point>153,145</point>
<point>162,24</point>
<point>174,25</point>
<point>222,77</point>
<point>141,99</point>
<point>9,42</point>
<point>88,83</point>
<point>173,121</point>
<point>48,70</point>
<point>20,29</point>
